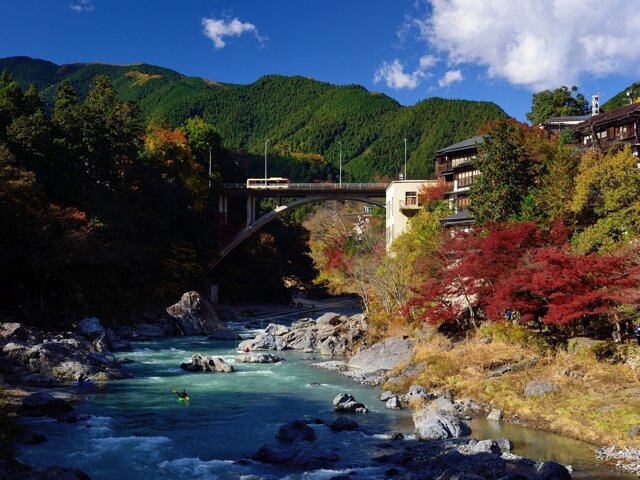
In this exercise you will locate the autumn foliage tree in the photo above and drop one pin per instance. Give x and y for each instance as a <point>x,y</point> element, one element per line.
<point>518,266</point>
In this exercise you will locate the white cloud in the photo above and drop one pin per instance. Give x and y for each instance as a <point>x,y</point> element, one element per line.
<point>536,43</point>
<point>217,29</point>
<point>450,77</point>
<point>81,6</point>
<point>395,77</point>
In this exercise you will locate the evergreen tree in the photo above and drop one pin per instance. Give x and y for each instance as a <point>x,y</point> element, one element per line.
<point>561,102</point>
<point>506,173</point>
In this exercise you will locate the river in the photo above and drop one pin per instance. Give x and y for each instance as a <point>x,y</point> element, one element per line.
<point>136,429</point>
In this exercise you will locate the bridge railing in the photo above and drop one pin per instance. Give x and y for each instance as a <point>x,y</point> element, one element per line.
<point>313,186</point>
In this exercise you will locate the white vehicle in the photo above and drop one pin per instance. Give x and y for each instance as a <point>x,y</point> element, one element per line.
<point>271,182</point>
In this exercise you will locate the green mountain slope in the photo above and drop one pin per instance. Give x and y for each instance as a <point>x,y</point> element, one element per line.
<point>302,118</point>
<point>621,99</point>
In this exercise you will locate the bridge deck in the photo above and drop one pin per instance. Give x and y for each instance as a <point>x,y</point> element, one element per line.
<point>293,189</point>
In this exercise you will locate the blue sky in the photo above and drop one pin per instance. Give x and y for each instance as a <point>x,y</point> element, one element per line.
<point>495,50</point>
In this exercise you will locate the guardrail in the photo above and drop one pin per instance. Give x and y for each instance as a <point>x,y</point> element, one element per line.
<point>311,186</point>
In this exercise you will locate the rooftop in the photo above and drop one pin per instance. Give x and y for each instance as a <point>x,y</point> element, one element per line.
<point>570,119</point>
<point>461,218</point>
<point>463,145</point>
<point>612,116</point>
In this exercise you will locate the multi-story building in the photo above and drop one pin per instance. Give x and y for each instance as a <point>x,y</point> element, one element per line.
<point>402,203</point>
<point>555,125</point>
<point>612,129</point>
<point>455,170</point>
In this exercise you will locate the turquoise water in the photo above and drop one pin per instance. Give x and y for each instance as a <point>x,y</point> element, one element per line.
<point>136,429</point>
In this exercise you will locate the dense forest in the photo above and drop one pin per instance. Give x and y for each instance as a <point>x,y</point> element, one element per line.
<point>106,214</point>
<point>306,121</point>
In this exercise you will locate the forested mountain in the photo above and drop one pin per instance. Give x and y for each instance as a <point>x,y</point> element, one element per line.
<point>303,119</point>
<point>621,98</point>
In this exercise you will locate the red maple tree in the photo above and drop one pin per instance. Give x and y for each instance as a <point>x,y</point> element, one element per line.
<point>522,268</point>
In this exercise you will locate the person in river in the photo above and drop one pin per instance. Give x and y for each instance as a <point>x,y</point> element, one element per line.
<point>82,378</point>
<point>182,394</point>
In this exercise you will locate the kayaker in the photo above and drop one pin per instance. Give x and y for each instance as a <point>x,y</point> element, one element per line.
<point>182,394</point>
<point>82,378</point>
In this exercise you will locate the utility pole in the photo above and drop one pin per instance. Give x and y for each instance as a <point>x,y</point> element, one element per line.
<point>265,162</point>
<point>209,145</point>
<point>340,183</point>
<point>405,158</point>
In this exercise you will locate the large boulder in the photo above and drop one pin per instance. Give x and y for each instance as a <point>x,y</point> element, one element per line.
<point>90,328</point>
<point>43,403</point>
<point>296,430</point>
<point>64,356</point>
<point>196,316</point>
<point>15,331</point>
<point>303,338</point>
<point>335,345</point>
<point>276,330</point>
<point>433,424</point>
<point>393,403</point>
<point>538,388</point>
<point>342,424</point>
<point>263,341</point>
<point>384,355</point>
<point>205,363</point>
<point>552,471</point>
<point>258,358</point>
<point>328,319</point>
<point>345,402</point>
<point>301,455</point>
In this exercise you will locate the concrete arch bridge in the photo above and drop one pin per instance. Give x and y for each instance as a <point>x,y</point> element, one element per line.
<point>300,193</point>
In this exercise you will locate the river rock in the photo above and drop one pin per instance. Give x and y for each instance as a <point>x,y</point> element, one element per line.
<point>65,356</point>
<point>16,331</point>
<point>444,404</point>
<point>90,328</point>
<point>296,430</point>
<point>495,415</point>
<point>552,471</point>
<point>433,424</point>
<point>342,424</point>
<point>43,403</point>
<point>276,330</point>
<point>302,455</point>
<point>334,345</point>
<point>504,444</point>
<point>258,358</point>
<point>205,363</point>
<point>328,319</point>
<point>331,333</point>
<point>12,469</point>
<point>393,403</point>
<point>196,316</point>
<point>486,446</point>
<point>345,402</point>
<point>384,355</point>
<point>263,341</point>
<point>538,388</point>
<point>386,395</point>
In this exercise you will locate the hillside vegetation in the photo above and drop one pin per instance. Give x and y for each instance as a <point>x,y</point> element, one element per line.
<point>303,119</point>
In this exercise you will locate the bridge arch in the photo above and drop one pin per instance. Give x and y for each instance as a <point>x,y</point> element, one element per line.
<point>276,212</point>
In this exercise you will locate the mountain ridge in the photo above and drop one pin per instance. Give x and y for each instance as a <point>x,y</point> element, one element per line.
<point>301,117</point>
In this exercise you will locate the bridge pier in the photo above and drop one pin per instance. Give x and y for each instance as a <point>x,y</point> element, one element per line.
<point>222,204</point>
<point>251,210</point>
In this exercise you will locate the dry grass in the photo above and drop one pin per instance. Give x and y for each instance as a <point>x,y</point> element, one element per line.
<point>141,78</point>
<point>596,401</point>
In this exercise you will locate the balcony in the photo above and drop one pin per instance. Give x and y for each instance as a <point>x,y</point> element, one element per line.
<point>409,207</point>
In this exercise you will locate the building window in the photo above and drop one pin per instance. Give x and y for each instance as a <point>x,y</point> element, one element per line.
<point>468,178</point>
<point>462,203</point>
<point>411,198</point>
